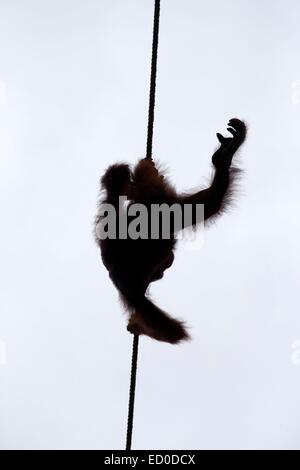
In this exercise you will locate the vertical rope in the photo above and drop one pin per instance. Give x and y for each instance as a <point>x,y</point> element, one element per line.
<point>153,79</point>
<point>135,346</point>
<point>134,359</point>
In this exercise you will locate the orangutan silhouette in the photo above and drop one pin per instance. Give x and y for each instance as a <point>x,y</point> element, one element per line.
<point>134,263</point>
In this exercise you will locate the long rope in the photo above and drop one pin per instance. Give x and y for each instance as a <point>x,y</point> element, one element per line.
<point>135,345</point>
<point>153,79</point>
<point>134,359</point>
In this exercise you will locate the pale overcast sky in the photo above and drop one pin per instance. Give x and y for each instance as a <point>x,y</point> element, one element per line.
<point>74,79</point>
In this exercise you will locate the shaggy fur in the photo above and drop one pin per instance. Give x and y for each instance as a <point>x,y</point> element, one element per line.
<point>134,264</point>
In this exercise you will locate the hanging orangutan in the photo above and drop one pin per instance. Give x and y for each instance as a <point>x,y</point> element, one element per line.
<point>133,263</point>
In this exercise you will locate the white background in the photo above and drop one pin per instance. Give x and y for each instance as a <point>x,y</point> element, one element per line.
<point>75,81</point>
